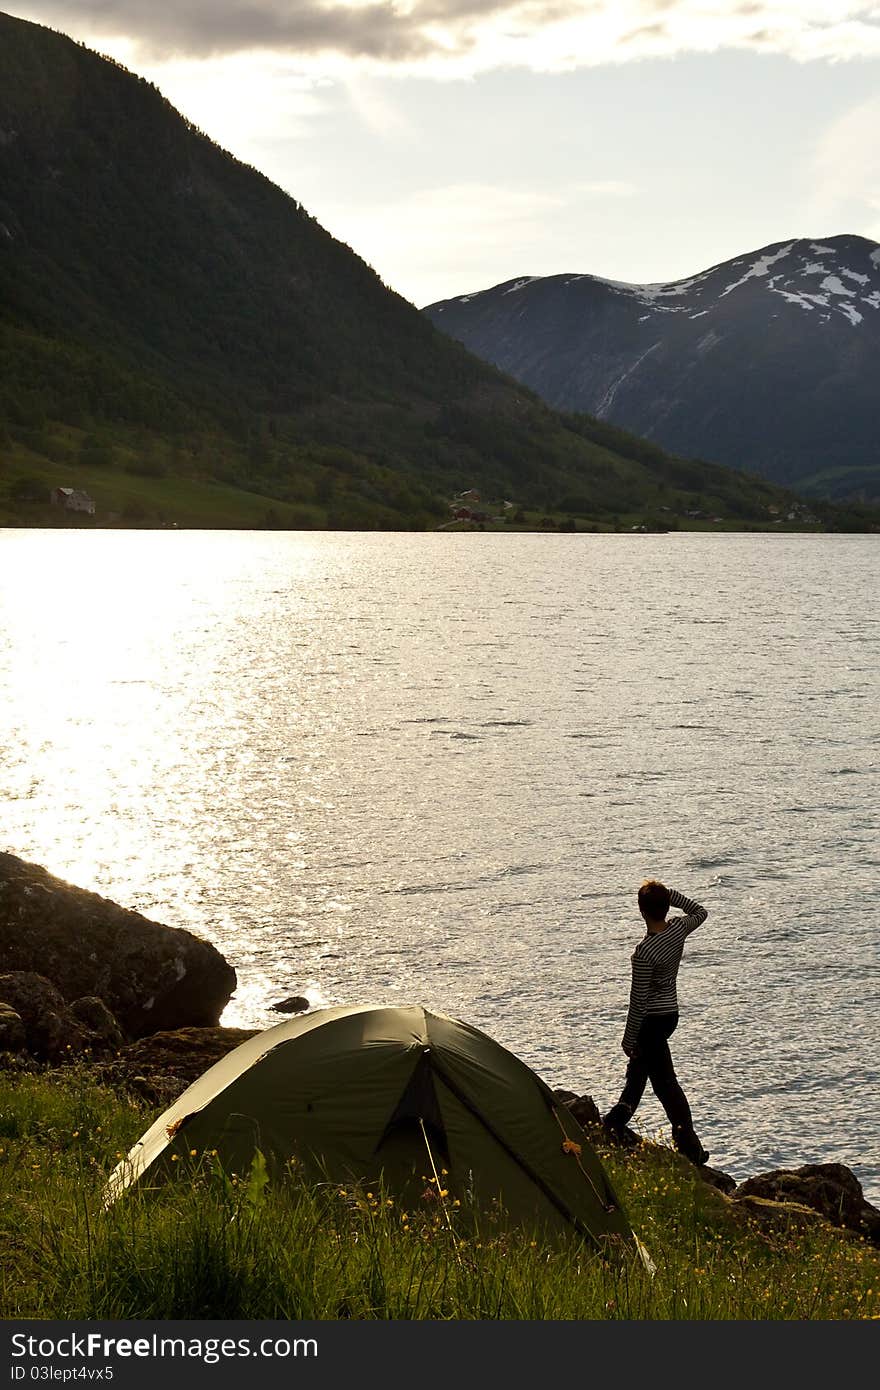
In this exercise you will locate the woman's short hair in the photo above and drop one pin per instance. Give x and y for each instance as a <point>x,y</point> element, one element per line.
<point>654,899</point>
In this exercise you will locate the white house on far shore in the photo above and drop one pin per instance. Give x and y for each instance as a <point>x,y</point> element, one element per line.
<point>72,499</point>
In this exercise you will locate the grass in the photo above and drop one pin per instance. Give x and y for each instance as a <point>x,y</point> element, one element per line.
<point>126,499</point>
<point>210,1245</point>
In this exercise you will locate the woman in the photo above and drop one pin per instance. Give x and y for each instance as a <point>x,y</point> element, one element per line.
<point>653,1016</point>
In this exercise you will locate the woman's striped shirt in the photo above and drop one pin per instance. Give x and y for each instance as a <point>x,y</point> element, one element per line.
<point>655,963</point>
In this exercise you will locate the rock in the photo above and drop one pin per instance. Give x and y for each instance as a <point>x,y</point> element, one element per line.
<point>583,1108</point>
<point>156,1089</point>
<point>296,1004</point>
<point>715,1178</point>
<point>563,1096</point>
<point>831,1189</point>
<point>51,1032</point>
<point>161,1066</point>
<point>587,1113</point>
<point>776,1217</point>
<point>94,1015</point>
<point>50,1029</point>
<point>12,1030</point>
<point>150,976</point>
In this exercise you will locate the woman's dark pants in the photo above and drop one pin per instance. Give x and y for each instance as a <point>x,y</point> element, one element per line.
<point>653,1062</point>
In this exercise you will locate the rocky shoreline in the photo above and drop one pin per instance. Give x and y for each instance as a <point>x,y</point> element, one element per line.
<point>139,1002</point>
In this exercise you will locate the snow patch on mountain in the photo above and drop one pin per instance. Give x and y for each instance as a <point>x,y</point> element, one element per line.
<point>806,301</point>
<point>461,299</point>
<point>854,275</point>
<point>760,267</point>
<point>649,294</point>
<point>518,284</point>
<point>835,285</point>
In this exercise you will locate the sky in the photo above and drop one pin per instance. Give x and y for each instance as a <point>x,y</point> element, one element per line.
<point>456,144</point>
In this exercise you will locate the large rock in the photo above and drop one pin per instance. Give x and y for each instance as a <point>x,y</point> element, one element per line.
<point>831,1189</point>
<point>185,1051</point>
<point>50,1030</point>
<point>149,976</point>
<point>160,1067</point>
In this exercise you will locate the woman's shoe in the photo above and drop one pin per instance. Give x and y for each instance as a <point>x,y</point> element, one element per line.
<point>620,1133</point>
<point>688,1144</point>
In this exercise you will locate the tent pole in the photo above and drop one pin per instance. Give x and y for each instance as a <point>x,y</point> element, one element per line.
<point>439,1189</point>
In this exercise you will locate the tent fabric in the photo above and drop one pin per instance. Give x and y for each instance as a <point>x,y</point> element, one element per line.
<point>370,1094</point>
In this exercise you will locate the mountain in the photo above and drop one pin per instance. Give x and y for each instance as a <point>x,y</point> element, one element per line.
<point>766,363</point>
<point>181,340</point>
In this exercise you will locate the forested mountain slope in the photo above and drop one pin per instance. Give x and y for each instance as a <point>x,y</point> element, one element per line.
<point>181,337</point>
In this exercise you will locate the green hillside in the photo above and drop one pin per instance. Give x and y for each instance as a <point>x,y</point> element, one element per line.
<point>182,340</point>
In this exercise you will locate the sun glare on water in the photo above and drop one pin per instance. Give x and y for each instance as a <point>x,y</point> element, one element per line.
<point>98,720</point>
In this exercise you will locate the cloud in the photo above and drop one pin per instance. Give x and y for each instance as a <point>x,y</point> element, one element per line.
<point>378,30</point>
<point>464,37</point>
<point>846,170</point>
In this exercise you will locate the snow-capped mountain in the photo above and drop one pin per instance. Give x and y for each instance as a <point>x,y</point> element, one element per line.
<point>769,363</point>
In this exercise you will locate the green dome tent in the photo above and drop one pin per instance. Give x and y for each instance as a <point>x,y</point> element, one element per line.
<point>355,1093</point>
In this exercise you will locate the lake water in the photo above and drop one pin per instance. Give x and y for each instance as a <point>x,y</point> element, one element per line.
<point>435,768</point>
